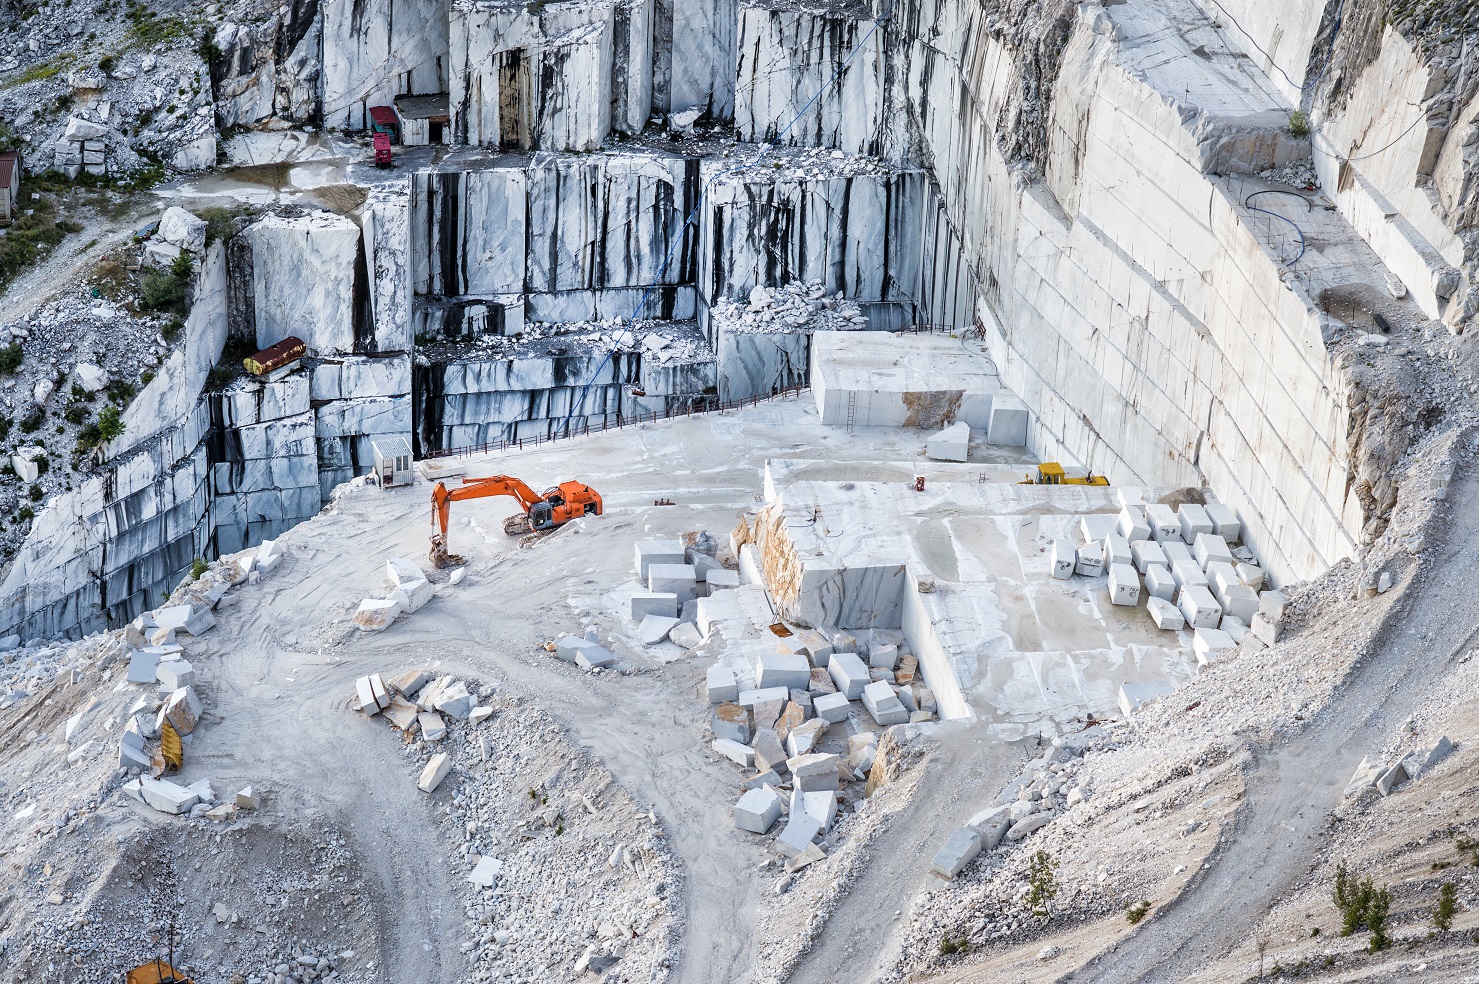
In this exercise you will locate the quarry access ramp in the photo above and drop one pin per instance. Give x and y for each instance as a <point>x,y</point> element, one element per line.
<point>1293,788</point>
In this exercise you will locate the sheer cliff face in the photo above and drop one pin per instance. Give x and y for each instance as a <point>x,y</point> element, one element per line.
<point>1034,32</point>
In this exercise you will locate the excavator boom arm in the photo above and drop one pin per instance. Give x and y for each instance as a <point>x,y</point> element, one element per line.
<point>478,488</point>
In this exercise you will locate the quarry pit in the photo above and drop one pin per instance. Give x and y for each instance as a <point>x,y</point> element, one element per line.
<point>1029,450</point>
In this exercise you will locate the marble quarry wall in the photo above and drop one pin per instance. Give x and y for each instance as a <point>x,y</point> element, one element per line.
<point>786,56</point>
<point>270,65</point>
<point>1130,303</point>
<point>557,78</point>
<point>499,242</point>
<point>375,50</point>
<point>481,401</point>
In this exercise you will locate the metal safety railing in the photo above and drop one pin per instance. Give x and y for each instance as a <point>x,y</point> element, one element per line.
<point>621,422</point>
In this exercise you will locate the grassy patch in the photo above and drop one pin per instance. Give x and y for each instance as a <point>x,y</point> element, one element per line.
<point>39,72</point>
<point>26,239</point>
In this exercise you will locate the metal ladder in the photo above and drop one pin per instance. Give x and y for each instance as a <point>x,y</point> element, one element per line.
<point>852,408</point>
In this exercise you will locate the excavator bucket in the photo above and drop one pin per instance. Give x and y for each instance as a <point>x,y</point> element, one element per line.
<point>439,556</point>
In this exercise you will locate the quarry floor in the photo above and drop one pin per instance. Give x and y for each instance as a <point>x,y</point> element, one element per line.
<point>284,660</point>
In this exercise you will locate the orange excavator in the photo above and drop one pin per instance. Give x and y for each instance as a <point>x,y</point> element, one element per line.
<point>542,515</point>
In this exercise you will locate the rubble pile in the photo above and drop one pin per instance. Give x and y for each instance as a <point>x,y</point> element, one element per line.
<point>409,591</point>
<point>98,88</point>
<point>666,342</point>
<point>559,869</point>
<point>795,307</point>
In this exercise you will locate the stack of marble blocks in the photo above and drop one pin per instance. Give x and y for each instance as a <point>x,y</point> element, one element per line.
<point>1188,564</point>
<point>804,722</point>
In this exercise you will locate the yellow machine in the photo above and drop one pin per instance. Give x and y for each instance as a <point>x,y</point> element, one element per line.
<point>1051,473</point>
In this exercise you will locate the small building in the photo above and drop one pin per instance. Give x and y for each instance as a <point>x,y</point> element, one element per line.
<point>10,185</point>
<point>393,462</point>
<point>424,119</point>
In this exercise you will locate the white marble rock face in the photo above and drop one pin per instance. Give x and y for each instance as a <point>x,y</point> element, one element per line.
<point>856,234</point>
<point>303,270</point>
<point>558,79</point>
<point>785,57</point>
<point>375,50</point>
<point>758,364</point>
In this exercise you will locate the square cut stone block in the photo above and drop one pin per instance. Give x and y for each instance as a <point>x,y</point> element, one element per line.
<point>1148,552</point>
<point>883,656</point>
<point>1272,604</point>
<point>1131,525</point>
<point>649,552</point>
<point>959,850</point>
<point>736,752</point>
<point>789,670</point>
<point>1264,629</point>
<point>1124,586</point>
<point>800,830</point>
<point>1234,627</point>
<point>1165,615</point>
<point>1251,575</point>
<point>678,579</point>
<point>757,811</point>
<point>1160,583</point>
<point>1134,696</point>
<point>1224,522</point>
<point>1130,495</point>
<point>1220,577</point>
<point>1241,603</point>
<point>1188,574</point>
<point>731,721</point>
<point>749,698</point>
<point>1208,643</point>
<point>1164,525</point>
<point>881,702</point>
<point>832,708</point>
<point>1194,522</point>
<point>1090,560</point>
<point>661,603</point>
<point>849,673</point>
<point>1210,547</point>
<point>1094,527</point>
<point>1064,558</point>
<point>1199,607</point>
<point>1117,550</point>
<point>718,580</point>
<point>722,685</point>
<point>1176,550</point>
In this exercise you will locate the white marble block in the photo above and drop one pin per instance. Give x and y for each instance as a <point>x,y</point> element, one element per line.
<point>1129,495</point>
<point>1186,574</point>
<point>1090,560</point>
<point>950,444</point>
<point>649,552</point>
<point>1208,643</point>
<point>1117,550</point>
<point>1209,547</point>
<point>1176,550</point>
<point>1124,585</point>
<point>1165,615</point>
<point>1095,526</point>
<point>1160,582</point>
<point>1064,558</point>
<point>1131,525</point>
<point>1164,525</point>
<point>1194,521</point>
<point>788,670</point>
<point>1241,602</point>
<point>676,579</point>
<point>1148,553</point>
<point>1224,522</point>
<point>1199,607</point>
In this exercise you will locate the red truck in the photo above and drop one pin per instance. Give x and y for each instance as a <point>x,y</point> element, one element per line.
<point>382,151</point>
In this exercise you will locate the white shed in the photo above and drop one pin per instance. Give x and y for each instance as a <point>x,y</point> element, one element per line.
<point>393,462</point>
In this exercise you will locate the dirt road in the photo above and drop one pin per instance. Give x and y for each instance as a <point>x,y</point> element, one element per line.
<point>1292,789</point>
